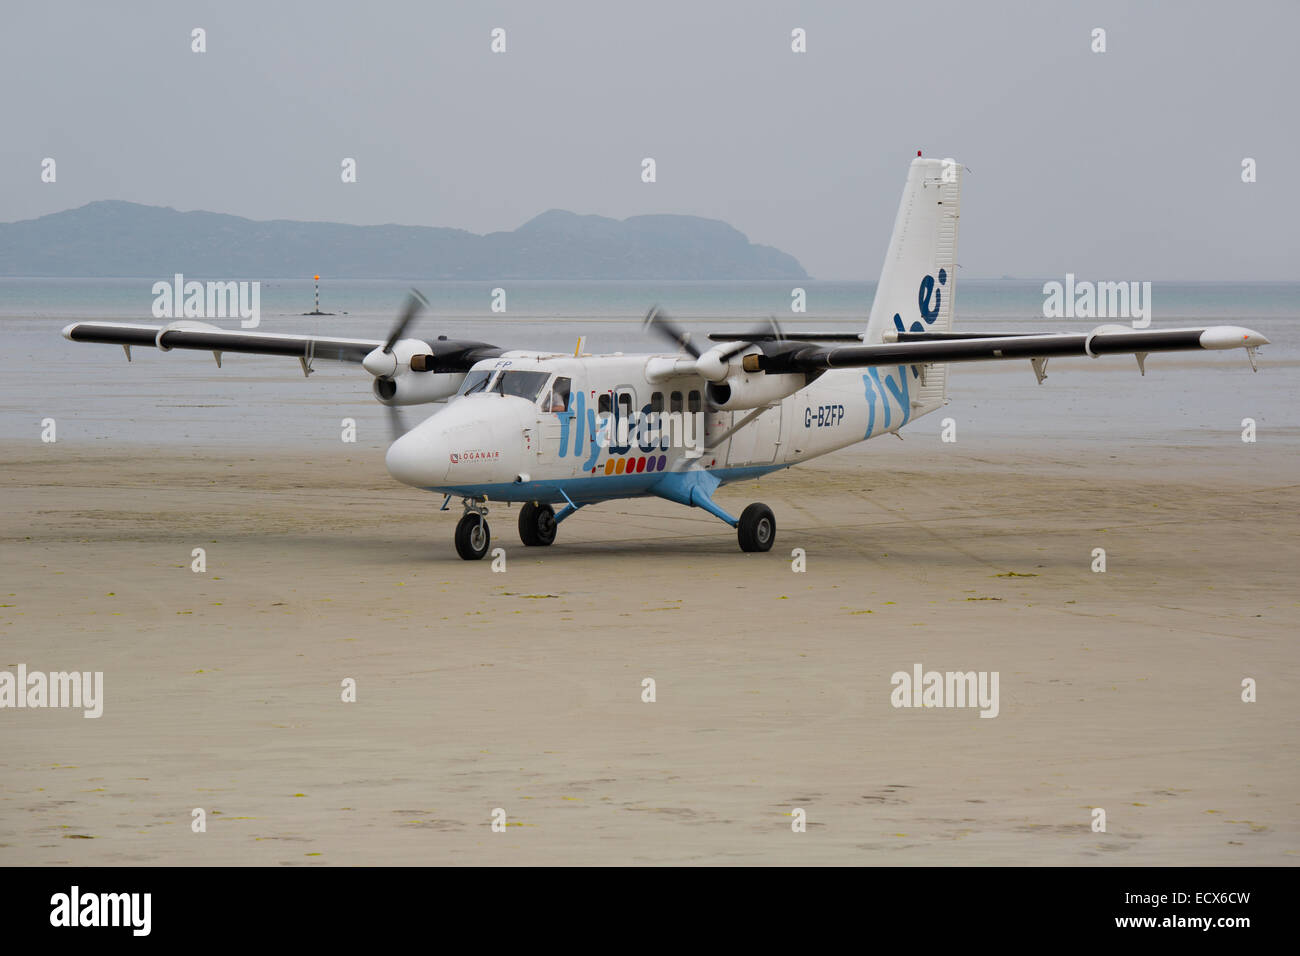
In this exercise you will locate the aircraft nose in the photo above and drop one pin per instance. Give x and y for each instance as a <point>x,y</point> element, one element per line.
<point>418,458</point>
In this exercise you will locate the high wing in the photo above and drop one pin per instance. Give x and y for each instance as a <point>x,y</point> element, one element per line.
<point>443,355</point>
<point>924,348</point>
<point>210,338</point>
<point>780,335</point>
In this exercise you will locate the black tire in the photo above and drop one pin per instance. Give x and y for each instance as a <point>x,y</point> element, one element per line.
<point>757,528</point>
<point>473,537</point>
<point>536,524</point>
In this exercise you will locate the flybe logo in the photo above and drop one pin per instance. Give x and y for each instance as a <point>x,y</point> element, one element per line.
<point>879,390</point>
<point>929,301</point>
<point>896,383</point>
<point>583,429</point>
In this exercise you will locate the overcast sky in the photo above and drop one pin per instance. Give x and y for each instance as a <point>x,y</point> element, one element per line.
<point>1117,165</point>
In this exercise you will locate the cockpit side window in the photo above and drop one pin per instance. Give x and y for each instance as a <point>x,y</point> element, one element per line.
<point>556,398</point>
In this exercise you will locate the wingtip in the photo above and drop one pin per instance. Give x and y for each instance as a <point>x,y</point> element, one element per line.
<point>1232,337</point>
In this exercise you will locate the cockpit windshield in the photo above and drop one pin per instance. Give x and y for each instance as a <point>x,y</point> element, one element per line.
<point>475,382</point>
<point>519,384</point>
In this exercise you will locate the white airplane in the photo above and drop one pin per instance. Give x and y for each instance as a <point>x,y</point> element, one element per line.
<point>547,429</point>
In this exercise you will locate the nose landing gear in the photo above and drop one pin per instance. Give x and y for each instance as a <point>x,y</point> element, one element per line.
<point>473,538</point>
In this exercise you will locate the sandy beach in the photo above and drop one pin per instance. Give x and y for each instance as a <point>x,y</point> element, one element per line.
<point>523,690</point>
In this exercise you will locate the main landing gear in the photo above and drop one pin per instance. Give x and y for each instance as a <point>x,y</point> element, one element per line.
<point>473,538</point>
<point>756,528</point>
<point>537,524</point>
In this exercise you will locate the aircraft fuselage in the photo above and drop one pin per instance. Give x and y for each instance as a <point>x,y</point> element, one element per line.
<point>590,428</point>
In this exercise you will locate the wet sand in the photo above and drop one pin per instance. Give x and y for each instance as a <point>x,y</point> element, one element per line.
<point>522,690</point>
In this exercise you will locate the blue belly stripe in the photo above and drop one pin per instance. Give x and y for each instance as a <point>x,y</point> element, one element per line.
<point>590,489</point>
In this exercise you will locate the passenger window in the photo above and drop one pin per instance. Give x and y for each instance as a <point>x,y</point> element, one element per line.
<point>625,406</point>
<point>657,402</point>
<point>675,402</point>
<point>694,401</point>
<point>603,405</point>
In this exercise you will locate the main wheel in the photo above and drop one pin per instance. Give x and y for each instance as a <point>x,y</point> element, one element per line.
<point>757,528</point>
<point>472,537</point>
<point>536,524</point>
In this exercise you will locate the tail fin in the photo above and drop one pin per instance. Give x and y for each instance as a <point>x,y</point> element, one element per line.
<point>919,277</point>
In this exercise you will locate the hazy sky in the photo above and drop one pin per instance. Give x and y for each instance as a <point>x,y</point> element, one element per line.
<point>1117,165</point>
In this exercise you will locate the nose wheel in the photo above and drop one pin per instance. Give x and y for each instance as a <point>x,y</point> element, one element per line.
<point>473,538</point>
<point>536,524</point>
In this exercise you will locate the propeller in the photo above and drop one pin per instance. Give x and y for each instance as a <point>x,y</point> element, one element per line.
<point>772,333</point>
<point>415,303</point>
<point>396,426</point>
<point>382,364</point>
<point>713,363</point>
<point>658,321</point>
<point>391,362</point>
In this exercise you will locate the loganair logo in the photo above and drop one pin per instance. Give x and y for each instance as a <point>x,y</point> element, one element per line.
<point>896,383</point>
<point>464,457</point>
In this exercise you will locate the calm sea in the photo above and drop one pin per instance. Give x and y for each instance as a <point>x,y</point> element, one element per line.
<point>96,397</point>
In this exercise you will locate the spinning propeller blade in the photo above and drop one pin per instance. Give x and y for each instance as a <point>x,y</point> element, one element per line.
<point>772,333</point>
<point>415,303</point>
<point>657,321</point>
<point>396,426</point>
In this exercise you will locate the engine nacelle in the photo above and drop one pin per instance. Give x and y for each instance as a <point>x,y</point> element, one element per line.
<point>400,378</point>
<point>417,388</point>
<point>752,390</point>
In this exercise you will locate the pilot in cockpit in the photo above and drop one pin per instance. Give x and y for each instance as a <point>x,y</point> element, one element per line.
<point>556,398</point>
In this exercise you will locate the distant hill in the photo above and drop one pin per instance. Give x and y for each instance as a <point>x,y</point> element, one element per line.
<point>113,238</point>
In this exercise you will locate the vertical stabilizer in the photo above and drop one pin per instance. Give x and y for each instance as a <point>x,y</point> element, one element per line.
<point>919,277</point>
